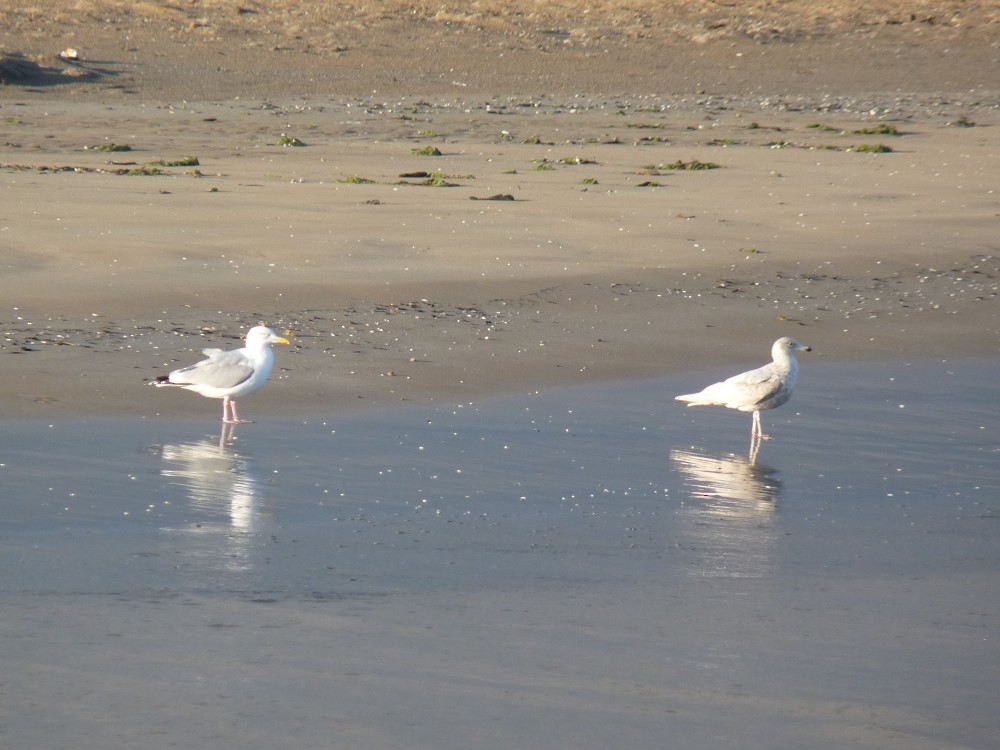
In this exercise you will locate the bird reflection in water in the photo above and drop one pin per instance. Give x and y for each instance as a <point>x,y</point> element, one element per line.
<point>223,492</point>
<point>730,513</point>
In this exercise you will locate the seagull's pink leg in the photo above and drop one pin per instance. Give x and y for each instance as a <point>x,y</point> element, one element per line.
<point>755,438</point>
<point>235,417</point>
<point>225,409</point>
<point>759,431</point>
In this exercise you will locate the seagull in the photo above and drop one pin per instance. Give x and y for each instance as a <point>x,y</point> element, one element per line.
<point>767,387</point>
<point>229,375</point>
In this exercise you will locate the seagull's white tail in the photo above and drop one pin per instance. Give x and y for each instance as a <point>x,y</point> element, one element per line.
<point>693,399</point>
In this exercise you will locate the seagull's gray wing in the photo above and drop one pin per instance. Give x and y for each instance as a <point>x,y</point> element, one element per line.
<point>220,370</point>
<point>750,388</point>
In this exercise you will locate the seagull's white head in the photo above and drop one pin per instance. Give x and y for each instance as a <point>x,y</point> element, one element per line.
<point>261,336</point>
<point>786,346</point>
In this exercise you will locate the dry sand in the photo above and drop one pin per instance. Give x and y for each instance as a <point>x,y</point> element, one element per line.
<point>609,261</point>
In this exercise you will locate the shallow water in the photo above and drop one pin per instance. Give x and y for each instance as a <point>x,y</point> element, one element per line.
<point>594,566</point>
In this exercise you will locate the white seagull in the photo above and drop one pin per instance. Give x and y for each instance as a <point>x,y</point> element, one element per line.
<point>229,375</point>
<point>766,387</point>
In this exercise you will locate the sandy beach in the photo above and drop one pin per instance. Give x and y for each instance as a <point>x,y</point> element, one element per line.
<point>604,253</point>
<point>500,237</point>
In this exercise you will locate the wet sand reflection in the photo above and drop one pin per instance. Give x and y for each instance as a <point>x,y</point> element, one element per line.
<point>729,513</point>
<point>223,491</point>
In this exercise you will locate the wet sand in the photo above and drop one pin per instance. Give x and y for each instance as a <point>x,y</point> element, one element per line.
<point>582,566</point>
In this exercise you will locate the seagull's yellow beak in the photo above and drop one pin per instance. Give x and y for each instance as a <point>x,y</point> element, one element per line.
<point>279,340</point>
